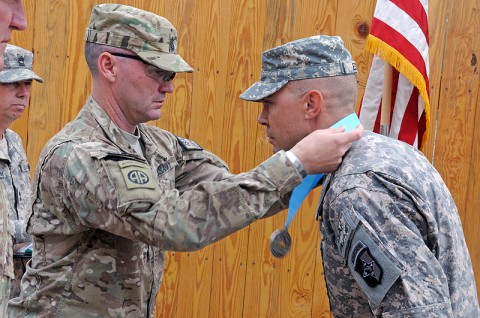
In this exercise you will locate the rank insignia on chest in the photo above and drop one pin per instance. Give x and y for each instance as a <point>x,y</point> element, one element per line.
<point>162,168</point>
<point>366,265</point>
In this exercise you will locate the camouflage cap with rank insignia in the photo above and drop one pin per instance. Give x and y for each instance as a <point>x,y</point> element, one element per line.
<point>312,57</point>
<point>152,37</point>
<point>18,66</point>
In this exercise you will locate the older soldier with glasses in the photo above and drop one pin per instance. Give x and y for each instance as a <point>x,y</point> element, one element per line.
<point>112,193</point>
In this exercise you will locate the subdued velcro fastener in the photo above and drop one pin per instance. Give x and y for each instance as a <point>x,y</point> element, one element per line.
<point>282,172</point>
<point>372,269</point>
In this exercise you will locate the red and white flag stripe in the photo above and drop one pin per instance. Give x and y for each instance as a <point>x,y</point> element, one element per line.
<point>399,36</point>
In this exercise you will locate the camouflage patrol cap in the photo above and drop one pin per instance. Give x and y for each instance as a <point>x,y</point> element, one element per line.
<point>316,56</point>
<point>152,37</point>
<point>18,66</point>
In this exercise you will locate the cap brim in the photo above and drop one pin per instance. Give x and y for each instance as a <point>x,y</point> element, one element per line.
<point>261,90</point>
<point>165,61</point>
<point>18,75</point>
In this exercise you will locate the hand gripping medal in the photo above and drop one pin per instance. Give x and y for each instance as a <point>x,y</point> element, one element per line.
<point>280,240</point>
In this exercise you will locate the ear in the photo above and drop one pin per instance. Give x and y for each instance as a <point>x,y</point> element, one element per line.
<point>313,104</point>
<point>107,67</point>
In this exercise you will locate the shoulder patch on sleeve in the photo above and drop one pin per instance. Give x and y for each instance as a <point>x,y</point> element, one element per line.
<point>136,175</point>
<point>188,144</point>
<point>369,264</point>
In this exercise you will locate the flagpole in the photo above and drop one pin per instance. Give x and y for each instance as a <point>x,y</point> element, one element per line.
<point>386,99</point>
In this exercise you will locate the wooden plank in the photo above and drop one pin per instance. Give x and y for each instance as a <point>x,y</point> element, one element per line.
<point>76,83</point>
<point>471,222</point>
<point>455,154</point>
<point>238,133</point>
<point>50,25</point>
<point>437,26</point>
<point>455,121</point>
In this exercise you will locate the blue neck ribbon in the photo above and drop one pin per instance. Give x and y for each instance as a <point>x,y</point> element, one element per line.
<point>310,181</point>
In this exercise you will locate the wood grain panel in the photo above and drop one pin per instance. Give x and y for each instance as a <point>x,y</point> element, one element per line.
<point>76,83</point>
<point>51,23</point>
<point>459,86</point>
<point>471,223</point>
<point>455,146</point>
<point>238,146</point>
<point>437,26</point>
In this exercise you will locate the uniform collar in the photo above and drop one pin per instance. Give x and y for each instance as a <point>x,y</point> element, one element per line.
<point>115,134</point>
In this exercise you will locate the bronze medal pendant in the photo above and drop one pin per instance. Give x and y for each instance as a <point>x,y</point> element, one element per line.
<point>280,242</point>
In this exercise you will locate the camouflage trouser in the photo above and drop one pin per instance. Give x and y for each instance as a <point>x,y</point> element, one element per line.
<point>19,269</point>
<point>4,295</point>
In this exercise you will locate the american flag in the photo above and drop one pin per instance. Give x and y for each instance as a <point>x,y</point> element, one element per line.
<point>399,36</point>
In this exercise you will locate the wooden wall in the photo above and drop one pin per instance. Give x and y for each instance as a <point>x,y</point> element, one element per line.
<point>222,40</point>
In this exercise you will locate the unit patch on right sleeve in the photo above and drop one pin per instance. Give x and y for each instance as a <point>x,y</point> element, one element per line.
<point>371,265</point>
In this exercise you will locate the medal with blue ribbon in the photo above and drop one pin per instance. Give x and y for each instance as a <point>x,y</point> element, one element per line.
<point>280,240</point>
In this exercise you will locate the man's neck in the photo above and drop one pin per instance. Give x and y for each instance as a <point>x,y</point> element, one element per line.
<point>3,128</point>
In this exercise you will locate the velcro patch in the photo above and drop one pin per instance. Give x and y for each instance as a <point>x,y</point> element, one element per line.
<point>24,167</point>
<point>366,265</point>
<point>372,266</point>
<point>188,144</point>
<point>136,175</point>
<point>162,168</point>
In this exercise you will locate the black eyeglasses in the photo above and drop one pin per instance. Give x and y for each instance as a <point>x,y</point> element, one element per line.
<point>151,70</point>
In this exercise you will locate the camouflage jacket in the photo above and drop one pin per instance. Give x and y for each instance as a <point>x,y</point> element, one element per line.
<point>6,250</point>
<point>393,244</point>
<point>15,175</point>
<point>103,216</point>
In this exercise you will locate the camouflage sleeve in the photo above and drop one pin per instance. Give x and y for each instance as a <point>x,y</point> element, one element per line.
<point>378,236</point>
<point>210,167</point>
<point>121,195</point>
<point>6,256</point>
<point>21,235</point>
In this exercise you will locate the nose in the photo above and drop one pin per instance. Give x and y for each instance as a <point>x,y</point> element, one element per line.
<point>19,22</point>
<point>166,87</point>
<point>262,119</point>
<point>23,89</point>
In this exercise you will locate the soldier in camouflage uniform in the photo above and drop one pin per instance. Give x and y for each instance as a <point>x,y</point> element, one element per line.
<point>111,193</point>
<point>15,87</point>
<point>392,241</point>
<point>6,249</point>
<point>12,17</point>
